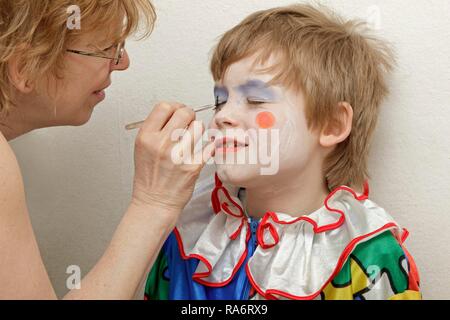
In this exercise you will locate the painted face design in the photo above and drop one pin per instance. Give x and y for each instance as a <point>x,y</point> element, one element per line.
<point>247,104</point>
<point>253,94</point>
<point>265,120</point>
<point>221,96</point>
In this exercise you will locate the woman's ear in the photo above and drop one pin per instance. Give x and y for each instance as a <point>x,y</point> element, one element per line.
<point>337,129</point>
<point>17,77</point>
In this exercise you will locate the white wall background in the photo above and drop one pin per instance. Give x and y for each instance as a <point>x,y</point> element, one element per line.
<point>78,180</point>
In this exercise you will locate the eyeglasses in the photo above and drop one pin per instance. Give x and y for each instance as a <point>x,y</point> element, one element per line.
<point>116,56</point>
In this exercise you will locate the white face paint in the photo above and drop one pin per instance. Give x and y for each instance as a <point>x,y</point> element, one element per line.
<point>248,103</point>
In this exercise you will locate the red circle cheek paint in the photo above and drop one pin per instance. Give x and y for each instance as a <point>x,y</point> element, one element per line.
<point>265,120</point>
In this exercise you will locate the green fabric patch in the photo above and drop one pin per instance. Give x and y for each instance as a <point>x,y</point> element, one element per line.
<point>344,277</point>
<point>383,254</point>
<point>157,287</point>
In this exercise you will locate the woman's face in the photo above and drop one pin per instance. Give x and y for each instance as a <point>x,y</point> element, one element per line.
<point>71,100</point>
<point>251,108</point>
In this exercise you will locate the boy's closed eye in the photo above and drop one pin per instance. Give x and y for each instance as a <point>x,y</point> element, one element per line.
<point>254,92</point>
<point>256,101</point>
<point>219,104</point>
<point>250,101</point>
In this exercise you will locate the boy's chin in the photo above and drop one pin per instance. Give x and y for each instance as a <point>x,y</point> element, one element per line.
<point>244,176</point>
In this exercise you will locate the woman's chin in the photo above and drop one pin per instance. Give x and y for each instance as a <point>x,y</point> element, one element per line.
<point>80,123</point>
<point>76,120</point>
<point>81,118</point>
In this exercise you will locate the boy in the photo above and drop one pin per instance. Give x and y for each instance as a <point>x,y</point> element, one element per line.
<point>304,232</point>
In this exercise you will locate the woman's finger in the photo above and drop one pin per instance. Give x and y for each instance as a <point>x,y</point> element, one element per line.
<point>208,152</point>
<point>180,120</point>
<point>160,116</point>
<point>192,136</point>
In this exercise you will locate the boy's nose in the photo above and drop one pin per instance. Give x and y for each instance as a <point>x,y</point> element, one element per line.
<point>226,118</point>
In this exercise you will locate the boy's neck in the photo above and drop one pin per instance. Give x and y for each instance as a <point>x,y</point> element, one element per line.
<point>295,197</point>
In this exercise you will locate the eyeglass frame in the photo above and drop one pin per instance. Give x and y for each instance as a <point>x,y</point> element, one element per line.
<point>120,52</point>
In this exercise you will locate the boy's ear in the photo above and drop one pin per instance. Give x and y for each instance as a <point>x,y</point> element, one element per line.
<point>17,77</point>
<point>337,129</point>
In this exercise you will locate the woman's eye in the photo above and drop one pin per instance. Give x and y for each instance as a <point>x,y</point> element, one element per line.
<point>108,49</point>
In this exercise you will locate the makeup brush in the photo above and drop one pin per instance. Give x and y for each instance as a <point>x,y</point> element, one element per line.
<point>137,125</point>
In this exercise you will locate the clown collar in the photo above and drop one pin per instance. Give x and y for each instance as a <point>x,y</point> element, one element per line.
<point>296,258</point>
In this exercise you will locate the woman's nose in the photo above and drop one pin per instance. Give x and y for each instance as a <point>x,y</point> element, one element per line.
<point>124,63</point>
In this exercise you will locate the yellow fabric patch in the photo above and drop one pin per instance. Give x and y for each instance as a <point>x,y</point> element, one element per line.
<point>332,293</point>
<point>407,295</point>
<point>360,281</point>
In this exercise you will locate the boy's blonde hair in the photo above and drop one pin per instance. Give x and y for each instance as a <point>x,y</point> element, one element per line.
<point>330,61</point>
<point>37,30</point>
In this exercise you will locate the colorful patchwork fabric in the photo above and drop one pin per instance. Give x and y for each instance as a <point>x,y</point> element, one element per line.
<point>349,249</point>
<point>377,270</point>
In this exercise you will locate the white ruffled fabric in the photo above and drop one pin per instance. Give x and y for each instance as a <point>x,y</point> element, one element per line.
<point>296,257</point>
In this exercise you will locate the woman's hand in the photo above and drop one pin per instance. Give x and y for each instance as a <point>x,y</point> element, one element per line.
<point>159,181</point>
<point>161,190</point>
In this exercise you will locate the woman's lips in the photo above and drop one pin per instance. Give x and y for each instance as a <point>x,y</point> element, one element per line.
<point>101,94</point>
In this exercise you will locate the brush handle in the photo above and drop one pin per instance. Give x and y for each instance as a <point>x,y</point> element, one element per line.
<point>137,125</point>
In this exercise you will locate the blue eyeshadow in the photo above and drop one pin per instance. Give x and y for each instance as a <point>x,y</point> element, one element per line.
<point>220,94</point>
<point>257,89</point>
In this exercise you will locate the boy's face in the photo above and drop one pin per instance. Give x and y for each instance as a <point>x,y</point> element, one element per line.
<point>251,109</point>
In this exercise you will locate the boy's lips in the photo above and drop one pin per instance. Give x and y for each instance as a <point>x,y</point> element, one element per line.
<point>229,144</point>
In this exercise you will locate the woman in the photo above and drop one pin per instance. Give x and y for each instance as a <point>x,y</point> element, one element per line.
<point>53,75</point>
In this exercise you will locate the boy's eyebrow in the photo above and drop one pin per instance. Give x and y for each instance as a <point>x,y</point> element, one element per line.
<point>252,84</point>
<point>257,87</point>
